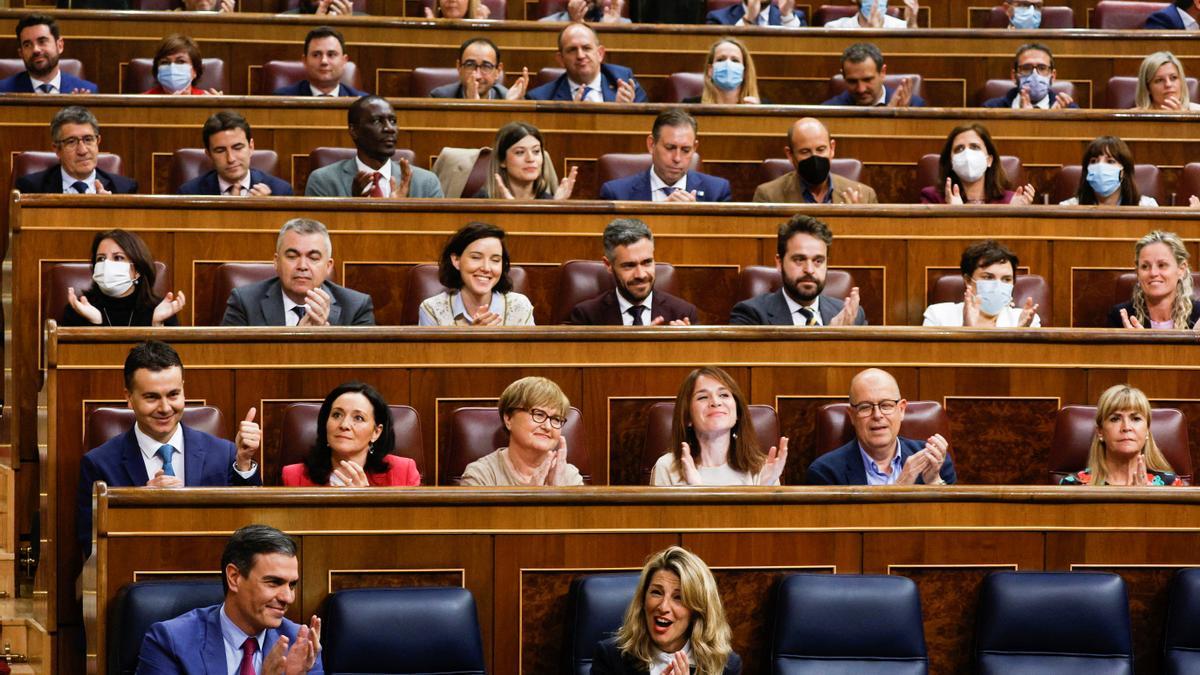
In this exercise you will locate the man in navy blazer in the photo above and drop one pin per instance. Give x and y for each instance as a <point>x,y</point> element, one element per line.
<point>587,78</point>
<point>672,145</point>
<point>325,61</point>
<point>1033,73</point>
<point>753,13</point>
<point>40,45</point>
<point>864,72</point>
<point>247,632</point>
<point>159,451</point>
<point>75,134</point>
<point>1181,15</point>
<point>879,455</point>
<point>229,144</point>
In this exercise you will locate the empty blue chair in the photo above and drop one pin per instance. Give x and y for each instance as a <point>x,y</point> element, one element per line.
<point>848,624</point>
<point>1066,623</point>
<point>402,631</point>
<point>141,605</point>
<point>596,607</point>
<point>1182,641</point>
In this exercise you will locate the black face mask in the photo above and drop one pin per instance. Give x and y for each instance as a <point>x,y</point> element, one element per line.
<point>814,169</point>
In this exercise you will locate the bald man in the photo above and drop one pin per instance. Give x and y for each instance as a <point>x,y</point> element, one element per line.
<point>810,149</point>
<point>879,455</point>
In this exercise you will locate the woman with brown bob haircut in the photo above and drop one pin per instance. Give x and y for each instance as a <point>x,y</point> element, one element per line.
<point>970,172</point>
<point>177,66</point>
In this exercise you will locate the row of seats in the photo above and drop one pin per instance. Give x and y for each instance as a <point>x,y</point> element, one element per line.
<point>477,431</point>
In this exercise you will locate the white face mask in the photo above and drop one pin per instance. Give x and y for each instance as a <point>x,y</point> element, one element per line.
<point>113,277</point>
<point>969,164</point>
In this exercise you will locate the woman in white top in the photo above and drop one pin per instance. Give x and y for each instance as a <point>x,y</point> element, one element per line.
<point>1162,85</point>
<point>712,442</point>
<point>989,270</point>
<point>1108,176</point>
<point>474,265</point>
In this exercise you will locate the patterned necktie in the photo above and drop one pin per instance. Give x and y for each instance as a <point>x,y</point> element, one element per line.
<point>45,88</point>
<point>249,647</point>
<point>165,451</point>
<point>376,188</point>
<point>79,186</point>
<point>585,91</point>
<point>636,313</point>
<point>235,190</point>
<point>810,317</point>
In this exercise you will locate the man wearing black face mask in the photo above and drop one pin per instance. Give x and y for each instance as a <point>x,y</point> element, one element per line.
<point>810,150</point>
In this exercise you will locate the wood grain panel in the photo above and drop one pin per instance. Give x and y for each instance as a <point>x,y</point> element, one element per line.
<point>1000,453</point>
<point>627,458</point>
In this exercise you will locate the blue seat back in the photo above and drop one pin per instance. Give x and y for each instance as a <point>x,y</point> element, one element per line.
<point>596,607</point>
<point>1182,636</point>
<point>141,605</point>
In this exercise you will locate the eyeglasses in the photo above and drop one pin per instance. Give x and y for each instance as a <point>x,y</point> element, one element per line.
<point>486,67</point>
<point>71,141</point>
<point>1022,4</point>
<point>865,409</point>
<point>1028,68</point>
<point>539,416</point>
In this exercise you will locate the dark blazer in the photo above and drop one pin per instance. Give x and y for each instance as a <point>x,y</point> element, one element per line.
<point>192,644</point>
<point>844,466</point>
<point>50,182</point>
<point>209,185</point>
<point>1006,100</point>
<point>455,90</point>
<point>636,188</point>
<point>303,88</point>
<point>1166,18</point>
<point>560,89</point>
<point>208,462</point>
<point>734,13</point>
<point>771,309</point>
<point>261,304</point>
<point>608,660</point>
<point>21,83</point>
<point>604,310</point>
<point>845,98</point>
<point>1114,315</point>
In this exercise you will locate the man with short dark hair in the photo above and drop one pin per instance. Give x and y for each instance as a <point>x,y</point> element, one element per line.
<point>629,257</point>
<point>989,272</point>
<point>229,144</point>
<point>75,134</point>
<point>481,74</point>
<point>159,451</point>
<point>587,77</point>
<point>247,634</point>
<point>864,72</point>
<point>672,145</point>
<point>810,149</point>
<point>1033,74</point>
<point>1181,15</point>
<point>40,44</point>
<point>802,258</point>
<point>325,61</point>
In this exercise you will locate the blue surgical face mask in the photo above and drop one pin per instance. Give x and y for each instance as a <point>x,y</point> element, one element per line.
<point>994,295</point>
<point>1104,178</point>
<point>1027,18</point>
<point>175,76</point>
<point>865,6</point>
<point>1038,86</point>
<point>728,74</point>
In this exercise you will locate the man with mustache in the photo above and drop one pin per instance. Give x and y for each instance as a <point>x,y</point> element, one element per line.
<point>40,44</point>
<point>802,258</point>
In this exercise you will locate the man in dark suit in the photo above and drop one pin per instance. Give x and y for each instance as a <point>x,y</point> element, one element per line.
<point>159,451</point>
<point>864,72</point>
<point>481,74</point>
<point>300,293</point>
<point>629,256</point>
<point>587,78</point>
<point>802,258</point>
<point>758,13</point>
<point>243,633</point>
<point>879,455</point>
<point>1033,74</point>
<point>1181,15</point>
<point>229,144</point>
<point>76,137</point>
<point>325,60</point>
<point>40,44</point>
<point>672,145</point>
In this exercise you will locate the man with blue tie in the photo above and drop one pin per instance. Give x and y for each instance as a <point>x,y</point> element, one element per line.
<point>758,13</point>
<point>588,77</point>
<point>40,44</point>
<point>672,144</point>
<point>159,451</point>
<point>76,137</point>
<point>246,634</point>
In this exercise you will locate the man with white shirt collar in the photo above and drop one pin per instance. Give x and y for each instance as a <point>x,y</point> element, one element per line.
<point>758,13</point>
<point>587,78</point>
<point>40,44</point>
<point>325,61</point>
<point>75,134</point>
<point>672,146</point>
<point>229,144</point>
<point>159,451</point>
<point>802,258</point>
<point>1033,74</point>
<point>864,73</point>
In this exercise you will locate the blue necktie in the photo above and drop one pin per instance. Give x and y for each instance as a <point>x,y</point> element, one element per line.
<point>79,186</point>
<point>165,451</point>
<point>45,88</point>
<point>667,190</point>
<point>586,91</point>
<point>300,311</point>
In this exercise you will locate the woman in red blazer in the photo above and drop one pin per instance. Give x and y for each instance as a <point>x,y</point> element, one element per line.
<point>177,66</point>
<point>354,440</point>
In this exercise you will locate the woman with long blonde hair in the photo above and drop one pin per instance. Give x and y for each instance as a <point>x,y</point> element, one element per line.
<point>1123,450</point>
<point>1162,295</point>
<point>729,74</point>
<point>458,9</point>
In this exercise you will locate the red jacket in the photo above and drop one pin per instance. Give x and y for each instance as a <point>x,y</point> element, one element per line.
<point>158,89</point>
<point>401,471</point>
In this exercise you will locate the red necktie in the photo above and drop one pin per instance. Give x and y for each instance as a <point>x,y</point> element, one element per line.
<point>376,190</point>
<point>248,648</point>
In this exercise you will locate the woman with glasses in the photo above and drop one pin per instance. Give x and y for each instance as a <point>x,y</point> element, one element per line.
<point>712,440</point>
<point>534,411</point>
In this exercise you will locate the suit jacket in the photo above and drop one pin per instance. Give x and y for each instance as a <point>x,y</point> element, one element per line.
<point>401,471</point>
<point>50,182</point>
<point>1166,18</point>
<point>192,644</point>
<point>732,14</point>
<point>303,88</point>
<point>21,83</point>
<point>636,188</point>
<point>560,89</point>
<point>603,310</point>
<point>1114,315</point>
<point>771,309</point>
<point>261,304</point>
<point>609,660</point>
<point>1006,100</point>
<point>787,190</point>
<point>455,90</point>
<point>336,179</point>
<point>845,98</point>
<point>208,462</point>
<point>844,466</point>
<point>209,185</point>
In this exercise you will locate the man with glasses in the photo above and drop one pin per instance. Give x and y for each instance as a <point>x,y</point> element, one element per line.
<point>1033,74</point>
<point>325,60</point>
<point>76,137</point>
<point>481,74</point>
<point>879,455</point>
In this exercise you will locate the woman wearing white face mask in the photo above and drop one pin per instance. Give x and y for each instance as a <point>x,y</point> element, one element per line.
<point>989,270</point>
<point>970,172</point>
<point>729,75</point>
<point>122,291</point>
<point>177,66</point>
<point>1108,176</point>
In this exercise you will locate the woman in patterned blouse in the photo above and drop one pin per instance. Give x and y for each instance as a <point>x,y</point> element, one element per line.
<point>1123,450</point>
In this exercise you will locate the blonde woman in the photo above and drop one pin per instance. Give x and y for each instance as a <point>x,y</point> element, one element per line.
<point>1162,295</point>
<point>674,623</point>
<point>729,74</point>
<point>458,9</point>
<point>1162,84</point>
<point>1123,451</point>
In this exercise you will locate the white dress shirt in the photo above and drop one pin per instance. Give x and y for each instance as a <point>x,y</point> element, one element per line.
<point>56,81</point>
<point>764,18</point>
<point>624,305</point>
<point>149,448</point>
<point>68,180</point>
<point>225,185</point>
<point>289,315</point>
<point>951,314</point>
<point>1188,22</point>
<point>385,183</point>
<point>1044,104</point>
<point>889,21</point>
<point>317,91</point>
<point>657,184</point>
<point>798,318</point>
<point>595,93</point>
<point>663,659</point>
<point>233,638</point>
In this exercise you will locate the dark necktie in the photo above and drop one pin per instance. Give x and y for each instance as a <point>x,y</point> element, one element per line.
<point>248,648</point>
<point>300,311</point>
<point>165,451</point>
<point>810,318</point>
<point>45,88</point>
<point>636,313</point>
<point>667,190</point>
<point>79,186</point>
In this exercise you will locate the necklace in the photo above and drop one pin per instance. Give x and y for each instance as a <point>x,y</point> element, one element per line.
<point>108,319</point>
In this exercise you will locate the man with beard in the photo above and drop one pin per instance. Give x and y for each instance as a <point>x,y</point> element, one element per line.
<point>40,44</point>
<point>802,256</point>
<point>629,255</point>
<point>810,149</point>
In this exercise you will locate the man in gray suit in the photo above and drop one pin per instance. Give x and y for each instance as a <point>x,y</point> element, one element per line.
<point>802,256</point>
<point>300,293</point>
<point>481,74</point>
<point>372,172</point>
